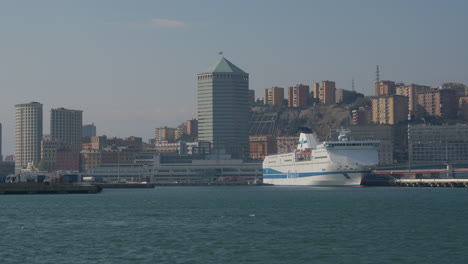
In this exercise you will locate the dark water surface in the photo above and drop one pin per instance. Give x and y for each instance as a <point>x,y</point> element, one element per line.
<point>237,225</point>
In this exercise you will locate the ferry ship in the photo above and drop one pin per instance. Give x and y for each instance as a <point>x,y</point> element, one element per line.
<point>330,163</point>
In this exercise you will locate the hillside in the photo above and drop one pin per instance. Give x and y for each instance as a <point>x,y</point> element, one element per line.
<point>319,118</point>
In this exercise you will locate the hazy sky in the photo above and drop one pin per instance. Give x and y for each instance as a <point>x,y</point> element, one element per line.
<point>131,65</point>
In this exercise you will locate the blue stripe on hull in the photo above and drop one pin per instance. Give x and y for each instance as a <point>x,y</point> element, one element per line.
<point>274,174</point>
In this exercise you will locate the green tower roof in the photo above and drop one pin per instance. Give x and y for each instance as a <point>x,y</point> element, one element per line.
<point>223,65</point>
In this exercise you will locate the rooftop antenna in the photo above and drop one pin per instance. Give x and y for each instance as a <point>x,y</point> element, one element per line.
<point>377,74</point>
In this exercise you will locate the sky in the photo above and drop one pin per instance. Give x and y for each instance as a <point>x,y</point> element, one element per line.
<point>131,66</point>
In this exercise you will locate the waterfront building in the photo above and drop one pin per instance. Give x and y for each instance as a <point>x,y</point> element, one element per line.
<point>89,130</point>
<point>131,143</point>
<point>164,134</point>
<point>223,108</point>
<point>273,96</point>
<point>192,127</point>
<point>298,96</point>
<point>411,91</point>
<point>66,127</point>
<point>262,146</point>
<point>6,168</point>
<point>390,109</point>
<point>28,134</point>
<point>438,144</point>
<point>171,169</point>
<point>439,102</point>
<point>172,148</point>
<point>383,88</point>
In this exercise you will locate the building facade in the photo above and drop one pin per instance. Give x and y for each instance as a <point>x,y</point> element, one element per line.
<point>223,109</point>
<point>437,145</point>
<point>28,134</point>
<point>361,116</point>
<point>66,128</point>
<point>262,146</point>
<point>165,134</point>
<point>389,110</point>
<point>327,92</point>
<point>88,130</point>
<point>192,127</point>
<point>298,96</point>
<point>251,97</point>
<point>440,103</point>
<point>383,88</point>
<point>411,91</point>
<point>273,96</point>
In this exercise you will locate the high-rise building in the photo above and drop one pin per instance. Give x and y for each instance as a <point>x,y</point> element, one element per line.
<point>192,127</point>
<point>361,116</point>
<point>89,130</point>
<point>298,96</point>
<point>223,109</point>
<point>251,97</point>
<point>412,91</point>
<point>385,88</point>
<point>390,109</point>
<point>441,103</point>
<point>273,96</point>
<point>327,92</point>
<point>66,127</point>
<point>317,91</point>
<point>164,134</point>
<point>28,134</point>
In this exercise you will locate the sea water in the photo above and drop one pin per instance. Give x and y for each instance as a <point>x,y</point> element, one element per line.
<point>247,224</point>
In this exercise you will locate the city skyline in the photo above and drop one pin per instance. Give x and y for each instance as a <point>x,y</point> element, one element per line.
<point>136,64</point>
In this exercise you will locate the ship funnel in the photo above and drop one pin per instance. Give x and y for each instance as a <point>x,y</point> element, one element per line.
<point>307,140</point>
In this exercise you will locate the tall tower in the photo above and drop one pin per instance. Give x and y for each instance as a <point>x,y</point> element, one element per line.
<point>28,134</point>
<point>223,109</point>
<point>66,126</point>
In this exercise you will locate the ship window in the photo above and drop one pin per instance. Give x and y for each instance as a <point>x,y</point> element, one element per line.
<point>321,157</point>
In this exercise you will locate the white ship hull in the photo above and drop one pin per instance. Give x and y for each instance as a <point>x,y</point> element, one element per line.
<point>337,178</point>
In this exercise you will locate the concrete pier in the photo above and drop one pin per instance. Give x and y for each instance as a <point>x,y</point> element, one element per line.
<point>431,182</point>
<point>47,188</point>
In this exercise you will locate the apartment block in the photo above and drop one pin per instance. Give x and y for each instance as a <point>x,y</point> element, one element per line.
<point>389,109</point>
<point>66,127</point>
<point>411,91</point>
<point>28,134</point>
<point>298,96</point>
<point>385,88</point>
<point>164,134</point>
<point>361,116</point>
<point>273,96</point>
<point>441,103</point>
<point>192,127</point>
